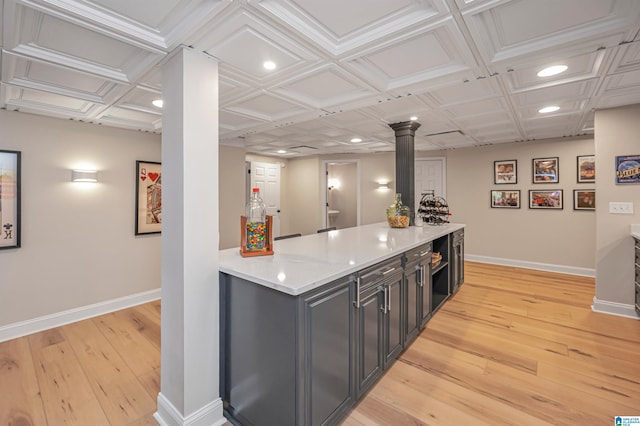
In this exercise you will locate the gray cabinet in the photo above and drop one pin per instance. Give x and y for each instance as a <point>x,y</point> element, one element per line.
<point>457,260</point>
<point>286,360</point>
<point>417,271</point>
<point>637,280</point>
<point>379,312</point>
<point>328,362</point>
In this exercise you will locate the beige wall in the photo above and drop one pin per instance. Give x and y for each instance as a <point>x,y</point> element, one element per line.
<point>616,133</point>
<point>559,238</point>
<point>78,242</point>
<point>303,192</point>
<point>231,194</point>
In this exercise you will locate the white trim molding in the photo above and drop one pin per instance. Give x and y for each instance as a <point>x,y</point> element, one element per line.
<point>614,308</point>
<point>23,328</point>
<point>209,415</point>
<point>562,269</point>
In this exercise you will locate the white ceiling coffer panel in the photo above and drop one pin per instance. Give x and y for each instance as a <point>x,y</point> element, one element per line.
<point>325,87</point>
<point>128,118</point>
<point>231,121</point>
<point>38,102</point>
<point>267,107</point>
<point>339,27</point>
<point>48,38</point>
<point>582,67</point>
<point>570,91</point>
<point>38,75</point>
<point>518,28</point>
<point>471,91</point>
<point>406,61</point>
<point>244,41</point>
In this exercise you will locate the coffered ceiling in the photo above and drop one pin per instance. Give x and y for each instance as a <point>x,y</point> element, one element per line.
<point>344,68</point>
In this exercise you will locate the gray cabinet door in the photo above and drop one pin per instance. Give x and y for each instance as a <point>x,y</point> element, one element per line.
<point>393,327</point>
<point>328,348</point>
<point>370,334</point>
<point>413,275</point>
<point>425,294</point>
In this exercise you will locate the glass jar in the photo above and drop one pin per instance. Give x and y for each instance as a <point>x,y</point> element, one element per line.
<point>398,214</point>
<point>256,229</point>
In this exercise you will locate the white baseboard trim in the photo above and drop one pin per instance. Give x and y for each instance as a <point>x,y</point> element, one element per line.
<point>571,270</point>
<point>23,328</point>
<point>209,415</point>
<point>614,308</point>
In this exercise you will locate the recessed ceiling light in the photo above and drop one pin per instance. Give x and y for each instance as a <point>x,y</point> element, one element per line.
<point>552,70</point>
<point>413,118</point>
<point>551,108</point>
<point>282,151</point>
<point>157,102</point>
<point>269,65</point>
<point>356,140</point>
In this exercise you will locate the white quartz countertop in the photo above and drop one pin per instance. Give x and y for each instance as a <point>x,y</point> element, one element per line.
<point>304,263</point>
<point>635,231</point>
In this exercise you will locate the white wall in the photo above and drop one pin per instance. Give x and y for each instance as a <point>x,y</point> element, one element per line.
<point>616,133</point>
<point>78,242</point>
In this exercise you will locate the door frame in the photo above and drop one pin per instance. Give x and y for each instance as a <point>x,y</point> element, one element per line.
<point>324,182</point>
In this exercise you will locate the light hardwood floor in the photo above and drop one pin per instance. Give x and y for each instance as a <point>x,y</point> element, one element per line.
<point>512,347</point>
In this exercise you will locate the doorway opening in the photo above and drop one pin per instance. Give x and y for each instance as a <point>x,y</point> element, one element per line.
<point>341,193</point>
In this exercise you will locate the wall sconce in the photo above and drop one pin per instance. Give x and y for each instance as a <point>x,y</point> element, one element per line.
<point>84,176</point>
<point>383,184</point>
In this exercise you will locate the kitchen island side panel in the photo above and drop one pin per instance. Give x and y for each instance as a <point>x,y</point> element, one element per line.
<point>259,352</point>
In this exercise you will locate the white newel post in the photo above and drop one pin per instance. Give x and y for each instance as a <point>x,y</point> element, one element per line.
<point>189,390</point>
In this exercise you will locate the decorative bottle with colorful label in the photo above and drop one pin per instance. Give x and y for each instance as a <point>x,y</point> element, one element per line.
<point>256,229</point>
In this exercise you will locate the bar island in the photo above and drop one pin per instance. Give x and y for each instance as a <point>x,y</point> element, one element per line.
<point>307,331</point>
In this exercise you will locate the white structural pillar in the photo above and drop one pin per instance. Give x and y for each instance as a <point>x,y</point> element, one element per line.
<point>189,379</point>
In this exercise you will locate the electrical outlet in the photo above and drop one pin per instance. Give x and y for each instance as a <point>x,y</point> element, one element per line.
<point>620,208</point>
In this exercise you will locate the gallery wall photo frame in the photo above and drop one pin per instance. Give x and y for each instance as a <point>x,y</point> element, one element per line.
<point>627,169</point>
<point>586,168</point>
<point>505,172</point>
<point>549,199</point>
<point>546,170</point>
<point>508,199</point>
<point>10,182</point>
<point>584,199</point>
<point>148,197</point>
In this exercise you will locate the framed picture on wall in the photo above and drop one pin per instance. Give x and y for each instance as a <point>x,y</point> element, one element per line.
<point>627,169</point>
<point>148,197</point>
<point>584,199</point>
<point>545,170</point>
<point>505,171</point>
<point>9,199</point>
<point>586,168</point>
<point>545,199</point>
<point>505,199</point>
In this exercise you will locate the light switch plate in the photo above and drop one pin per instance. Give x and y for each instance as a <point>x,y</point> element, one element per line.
<point>620,208</point>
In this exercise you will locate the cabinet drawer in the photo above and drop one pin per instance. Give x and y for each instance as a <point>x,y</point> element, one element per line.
<point>380,272</point>
<point>458,235</point>
<point>419,254</point>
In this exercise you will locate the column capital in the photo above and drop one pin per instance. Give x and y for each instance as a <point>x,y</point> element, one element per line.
<point>405,128</point>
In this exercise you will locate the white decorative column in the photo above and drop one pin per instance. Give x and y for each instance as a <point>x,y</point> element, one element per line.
<point>189,391</point>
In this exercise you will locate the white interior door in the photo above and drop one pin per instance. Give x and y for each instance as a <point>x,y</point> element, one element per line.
<point>266,176</point>
<point>430,174</point>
